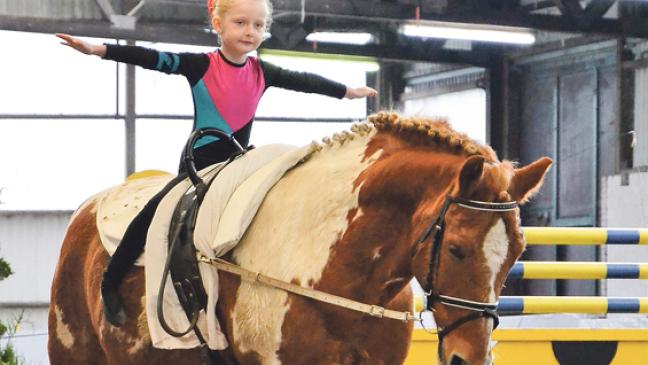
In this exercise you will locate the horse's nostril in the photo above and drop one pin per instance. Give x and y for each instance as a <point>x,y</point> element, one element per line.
<point>456,360</point>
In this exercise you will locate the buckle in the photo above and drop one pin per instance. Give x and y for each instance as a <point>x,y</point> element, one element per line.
<point>376,311</point>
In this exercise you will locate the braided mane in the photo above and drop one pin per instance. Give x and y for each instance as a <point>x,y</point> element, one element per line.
<point>434,132</point>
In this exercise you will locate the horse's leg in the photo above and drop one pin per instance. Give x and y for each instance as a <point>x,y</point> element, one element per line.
<point>72,336</point>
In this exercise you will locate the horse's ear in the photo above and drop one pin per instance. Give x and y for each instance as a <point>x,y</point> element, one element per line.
<point>471,173</point>
<point>528,180</point>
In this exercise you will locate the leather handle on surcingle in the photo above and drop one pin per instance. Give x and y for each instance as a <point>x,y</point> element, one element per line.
<point>188,154</point>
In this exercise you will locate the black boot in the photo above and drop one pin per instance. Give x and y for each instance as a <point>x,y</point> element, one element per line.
<point>113,307</point>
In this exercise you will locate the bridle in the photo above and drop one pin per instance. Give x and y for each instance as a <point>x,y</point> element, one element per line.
<point>436,230</point>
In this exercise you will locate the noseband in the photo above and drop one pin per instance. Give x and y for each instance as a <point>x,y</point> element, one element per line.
<point>436,230</point>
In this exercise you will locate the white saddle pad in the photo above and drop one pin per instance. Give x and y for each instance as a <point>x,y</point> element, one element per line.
<point>227,210</point>
<point>117,207</point>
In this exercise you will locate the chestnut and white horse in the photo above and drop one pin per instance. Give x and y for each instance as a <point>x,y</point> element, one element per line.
<point>393,199</point>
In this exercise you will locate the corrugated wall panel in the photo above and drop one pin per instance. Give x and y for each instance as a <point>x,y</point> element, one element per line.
<point>640,150</point>
<point>30,242</point>
<point>55,9</point>
<point>193,11</point>
<point>625,204</point>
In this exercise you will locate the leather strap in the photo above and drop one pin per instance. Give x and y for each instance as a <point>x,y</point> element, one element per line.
<point>372,310</point>
<point>487,206</point>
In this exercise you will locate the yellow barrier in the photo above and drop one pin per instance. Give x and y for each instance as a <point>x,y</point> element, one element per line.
<point>543,346</point>
<point>146,173</point>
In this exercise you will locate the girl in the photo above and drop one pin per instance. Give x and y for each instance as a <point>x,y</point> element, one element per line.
<point>226,86</point>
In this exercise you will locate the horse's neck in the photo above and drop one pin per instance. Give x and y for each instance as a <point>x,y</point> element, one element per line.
<point>301,232</point>
<point>305,214</point>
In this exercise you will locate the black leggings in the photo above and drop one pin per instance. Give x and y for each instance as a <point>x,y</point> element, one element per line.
<point>134,239</point>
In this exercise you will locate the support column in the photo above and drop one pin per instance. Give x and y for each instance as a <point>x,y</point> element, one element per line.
<point>497,118</point>
<point>129,118</point>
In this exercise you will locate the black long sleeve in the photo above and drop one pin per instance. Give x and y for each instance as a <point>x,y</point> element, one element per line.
<point>191,65</point>
<point>301,81</point>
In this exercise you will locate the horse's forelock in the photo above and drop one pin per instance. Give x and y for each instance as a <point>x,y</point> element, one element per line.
<point>497,177</point>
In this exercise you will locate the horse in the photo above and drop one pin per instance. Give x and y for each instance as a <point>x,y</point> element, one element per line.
<point>370,209</point>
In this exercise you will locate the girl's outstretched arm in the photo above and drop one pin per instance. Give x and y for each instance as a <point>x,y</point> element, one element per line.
<point>82,46</point>
<point>359,92</point>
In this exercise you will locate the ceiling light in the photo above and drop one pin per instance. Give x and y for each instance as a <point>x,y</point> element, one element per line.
<point>341,37</point>
<point>473,32</point>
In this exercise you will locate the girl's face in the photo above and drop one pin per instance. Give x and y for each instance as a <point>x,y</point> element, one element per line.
<point>242,28</point>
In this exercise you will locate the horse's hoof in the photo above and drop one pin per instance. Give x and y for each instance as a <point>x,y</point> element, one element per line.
<point>113,307</point>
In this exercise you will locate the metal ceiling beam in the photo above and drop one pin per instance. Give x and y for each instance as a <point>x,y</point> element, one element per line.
<point>137,10</point>
<point>368,10</point>
<point>537,5</point>
<point>628,27</point>
<point>569,7</point>
<point>106,8</point>
<point>121,20</point>
<point>371,11</point>
<point>171,33</point>
<point>597,9</point>
<point>585,16</point>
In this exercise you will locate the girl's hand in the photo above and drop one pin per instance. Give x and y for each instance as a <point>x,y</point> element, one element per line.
<point>359,92</point>
<point>82,46</point>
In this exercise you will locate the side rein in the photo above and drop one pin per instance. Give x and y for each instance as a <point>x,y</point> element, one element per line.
<point>436,230</point>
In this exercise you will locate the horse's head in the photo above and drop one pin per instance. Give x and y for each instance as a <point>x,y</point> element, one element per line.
<point>464,236</point>
<point>470,241</point>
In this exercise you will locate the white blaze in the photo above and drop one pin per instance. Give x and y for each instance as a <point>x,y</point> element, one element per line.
<point>495,250</point>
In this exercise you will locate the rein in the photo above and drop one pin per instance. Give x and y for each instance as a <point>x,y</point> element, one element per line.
<point>252,276</point>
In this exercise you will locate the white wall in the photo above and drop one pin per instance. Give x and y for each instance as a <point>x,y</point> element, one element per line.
<point>30,242</point>
<point>464,110</point>
<point>625,206</point>
<point>30,342</point>
<point>640,150</point>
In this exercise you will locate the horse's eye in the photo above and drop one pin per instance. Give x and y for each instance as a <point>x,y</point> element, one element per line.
<point>456,252</point>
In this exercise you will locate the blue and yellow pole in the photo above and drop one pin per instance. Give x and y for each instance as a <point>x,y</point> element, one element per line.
<point>549,304</point>
<point>578,270</point>
<point>589,305</point>
<point>585,236</point>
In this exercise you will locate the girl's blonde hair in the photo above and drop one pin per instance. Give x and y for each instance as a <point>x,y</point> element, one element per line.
<point>218,8</point>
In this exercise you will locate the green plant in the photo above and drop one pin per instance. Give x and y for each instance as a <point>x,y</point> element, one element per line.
<point>8,355</point>
<point>5,269</point>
